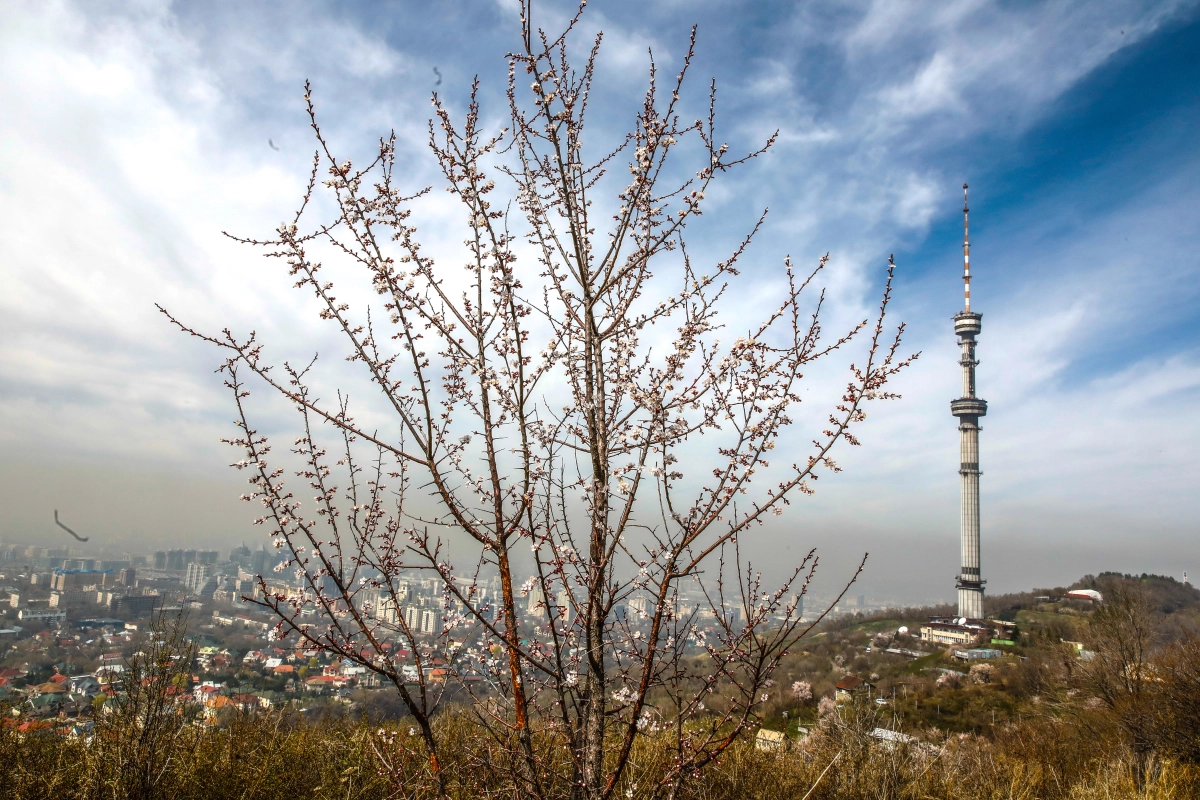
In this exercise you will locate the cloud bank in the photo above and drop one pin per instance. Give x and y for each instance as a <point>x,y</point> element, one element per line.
<point>134,134</point>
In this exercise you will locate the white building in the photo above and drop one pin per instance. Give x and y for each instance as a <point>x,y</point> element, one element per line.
<point>196,577</point>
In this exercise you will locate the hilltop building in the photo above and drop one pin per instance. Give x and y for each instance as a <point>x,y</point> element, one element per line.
<point>965,632</point>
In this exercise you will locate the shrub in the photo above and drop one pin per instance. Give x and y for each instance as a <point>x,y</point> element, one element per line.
<point>982,674</point>
<point>949,680</point>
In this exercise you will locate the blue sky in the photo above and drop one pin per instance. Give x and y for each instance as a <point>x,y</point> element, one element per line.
<point>135,132</point>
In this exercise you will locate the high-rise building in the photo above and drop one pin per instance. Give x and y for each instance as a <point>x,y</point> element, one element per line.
<point>412,618</point>
<point>733,615</point>
<point>69,599</point>
<point>535,604</point>
<point>196,577</point>
<point>387,611</point>
<point>67,580</point>
<point>258,561</point>
<point>968,409</point>
<point>138,605</point>
<point>563,601</point>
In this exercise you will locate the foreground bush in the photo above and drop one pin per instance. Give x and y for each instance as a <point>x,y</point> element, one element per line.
<point>273,756</point>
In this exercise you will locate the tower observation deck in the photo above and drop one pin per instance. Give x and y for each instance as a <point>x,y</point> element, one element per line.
<point>968,409</point>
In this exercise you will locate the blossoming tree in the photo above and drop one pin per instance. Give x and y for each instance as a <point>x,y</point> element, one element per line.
<point>576,420</point>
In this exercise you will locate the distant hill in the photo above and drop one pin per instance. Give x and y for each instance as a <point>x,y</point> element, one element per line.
<point>1168,595</point>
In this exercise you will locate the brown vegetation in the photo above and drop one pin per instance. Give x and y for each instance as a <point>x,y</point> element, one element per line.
<point>271,756</point>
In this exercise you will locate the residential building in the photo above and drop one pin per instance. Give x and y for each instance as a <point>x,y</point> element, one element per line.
<point>69,580</point>
<point>72,599</point>
<point>848,686</point>
<point>138,605</point>
<point>564,606</point>
<point>196,577</point>
<point>770,740</point>
<point>536,601</point>
<point>387,611</point>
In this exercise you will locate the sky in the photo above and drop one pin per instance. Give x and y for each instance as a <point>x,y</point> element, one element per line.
<point>134,133</point>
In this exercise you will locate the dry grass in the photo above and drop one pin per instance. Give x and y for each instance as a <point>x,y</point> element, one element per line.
<point>269,757</point>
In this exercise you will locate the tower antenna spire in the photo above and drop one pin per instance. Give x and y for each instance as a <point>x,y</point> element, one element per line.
<point>966,256</point>
<point>969,409</point>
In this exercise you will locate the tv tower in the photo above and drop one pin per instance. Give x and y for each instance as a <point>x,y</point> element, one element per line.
<point>968,409</point>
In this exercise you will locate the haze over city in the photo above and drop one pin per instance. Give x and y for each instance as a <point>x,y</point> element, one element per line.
<point>136,133</point>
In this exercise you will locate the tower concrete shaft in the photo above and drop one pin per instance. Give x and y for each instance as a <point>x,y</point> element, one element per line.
<point>968,409</point>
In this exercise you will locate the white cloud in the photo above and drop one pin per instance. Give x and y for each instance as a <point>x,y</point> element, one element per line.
<point>139,136</point>
<point>956,57</point>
